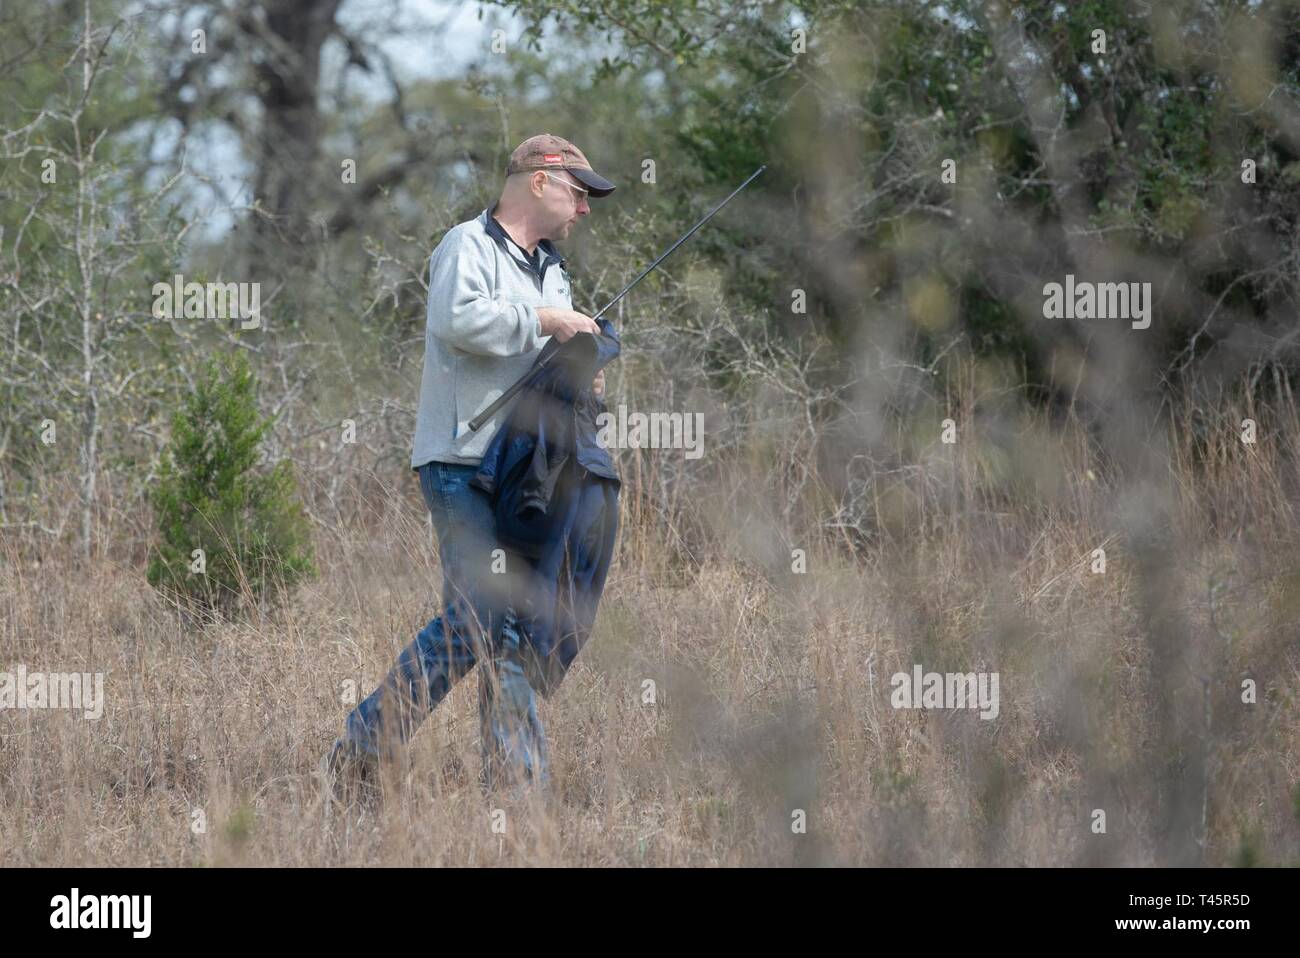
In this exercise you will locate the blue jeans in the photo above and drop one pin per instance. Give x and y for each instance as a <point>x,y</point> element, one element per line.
<point>476,625</point>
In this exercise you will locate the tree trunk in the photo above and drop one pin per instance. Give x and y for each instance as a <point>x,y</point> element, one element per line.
<point>291,34</point>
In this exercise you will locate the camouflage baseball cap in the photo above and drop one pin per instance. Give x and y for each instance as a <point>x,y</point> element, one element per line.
<point>549,152</point>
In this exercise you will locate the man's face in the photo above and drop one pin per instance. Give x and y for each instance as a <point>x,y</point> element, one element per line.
<point>563,199</point>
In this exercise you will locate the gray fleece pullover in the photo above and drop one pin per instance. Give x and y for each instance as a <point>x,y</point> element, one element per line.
<point>482,333</point>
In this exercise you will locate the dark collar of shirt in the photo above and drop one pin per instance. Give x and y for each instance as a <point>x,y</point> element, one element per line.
<point>537,262</point>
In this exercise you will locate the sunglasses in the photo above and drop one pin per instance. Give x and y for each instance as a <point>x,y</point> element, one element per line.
<point>577,189</point>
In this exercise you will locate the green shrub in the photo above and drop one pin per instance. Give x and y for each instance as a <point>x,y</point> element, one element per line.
<point>210,496</point>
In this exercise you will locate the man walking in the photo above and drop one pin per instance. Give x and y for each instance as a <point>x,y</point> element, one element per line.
<point>498,291</point>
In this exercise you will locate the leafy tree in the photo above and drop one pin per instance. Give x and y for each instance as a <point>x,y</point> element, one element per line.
<point>1073,158</point>
<point>248,523</point>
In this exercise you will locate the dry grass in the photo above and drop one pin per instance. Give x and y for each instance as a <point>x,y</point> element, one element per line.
<point>772,687</point>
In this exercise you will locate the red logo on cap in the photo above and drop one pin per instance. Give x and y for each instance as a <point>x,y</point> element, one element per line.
<point>552,158</point>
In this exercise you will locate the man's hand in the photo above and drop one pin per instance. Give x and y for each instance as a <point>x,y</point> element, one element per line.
<point>598,385</point>
<point>564,324</point>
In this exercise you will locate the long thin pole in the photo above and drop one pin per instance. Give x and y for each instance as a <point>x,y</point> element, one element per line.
<point>552,347</point>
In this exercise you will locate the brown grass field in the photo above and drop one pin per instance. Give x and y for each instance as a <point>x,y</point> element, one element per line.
<point>1120,691</point>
